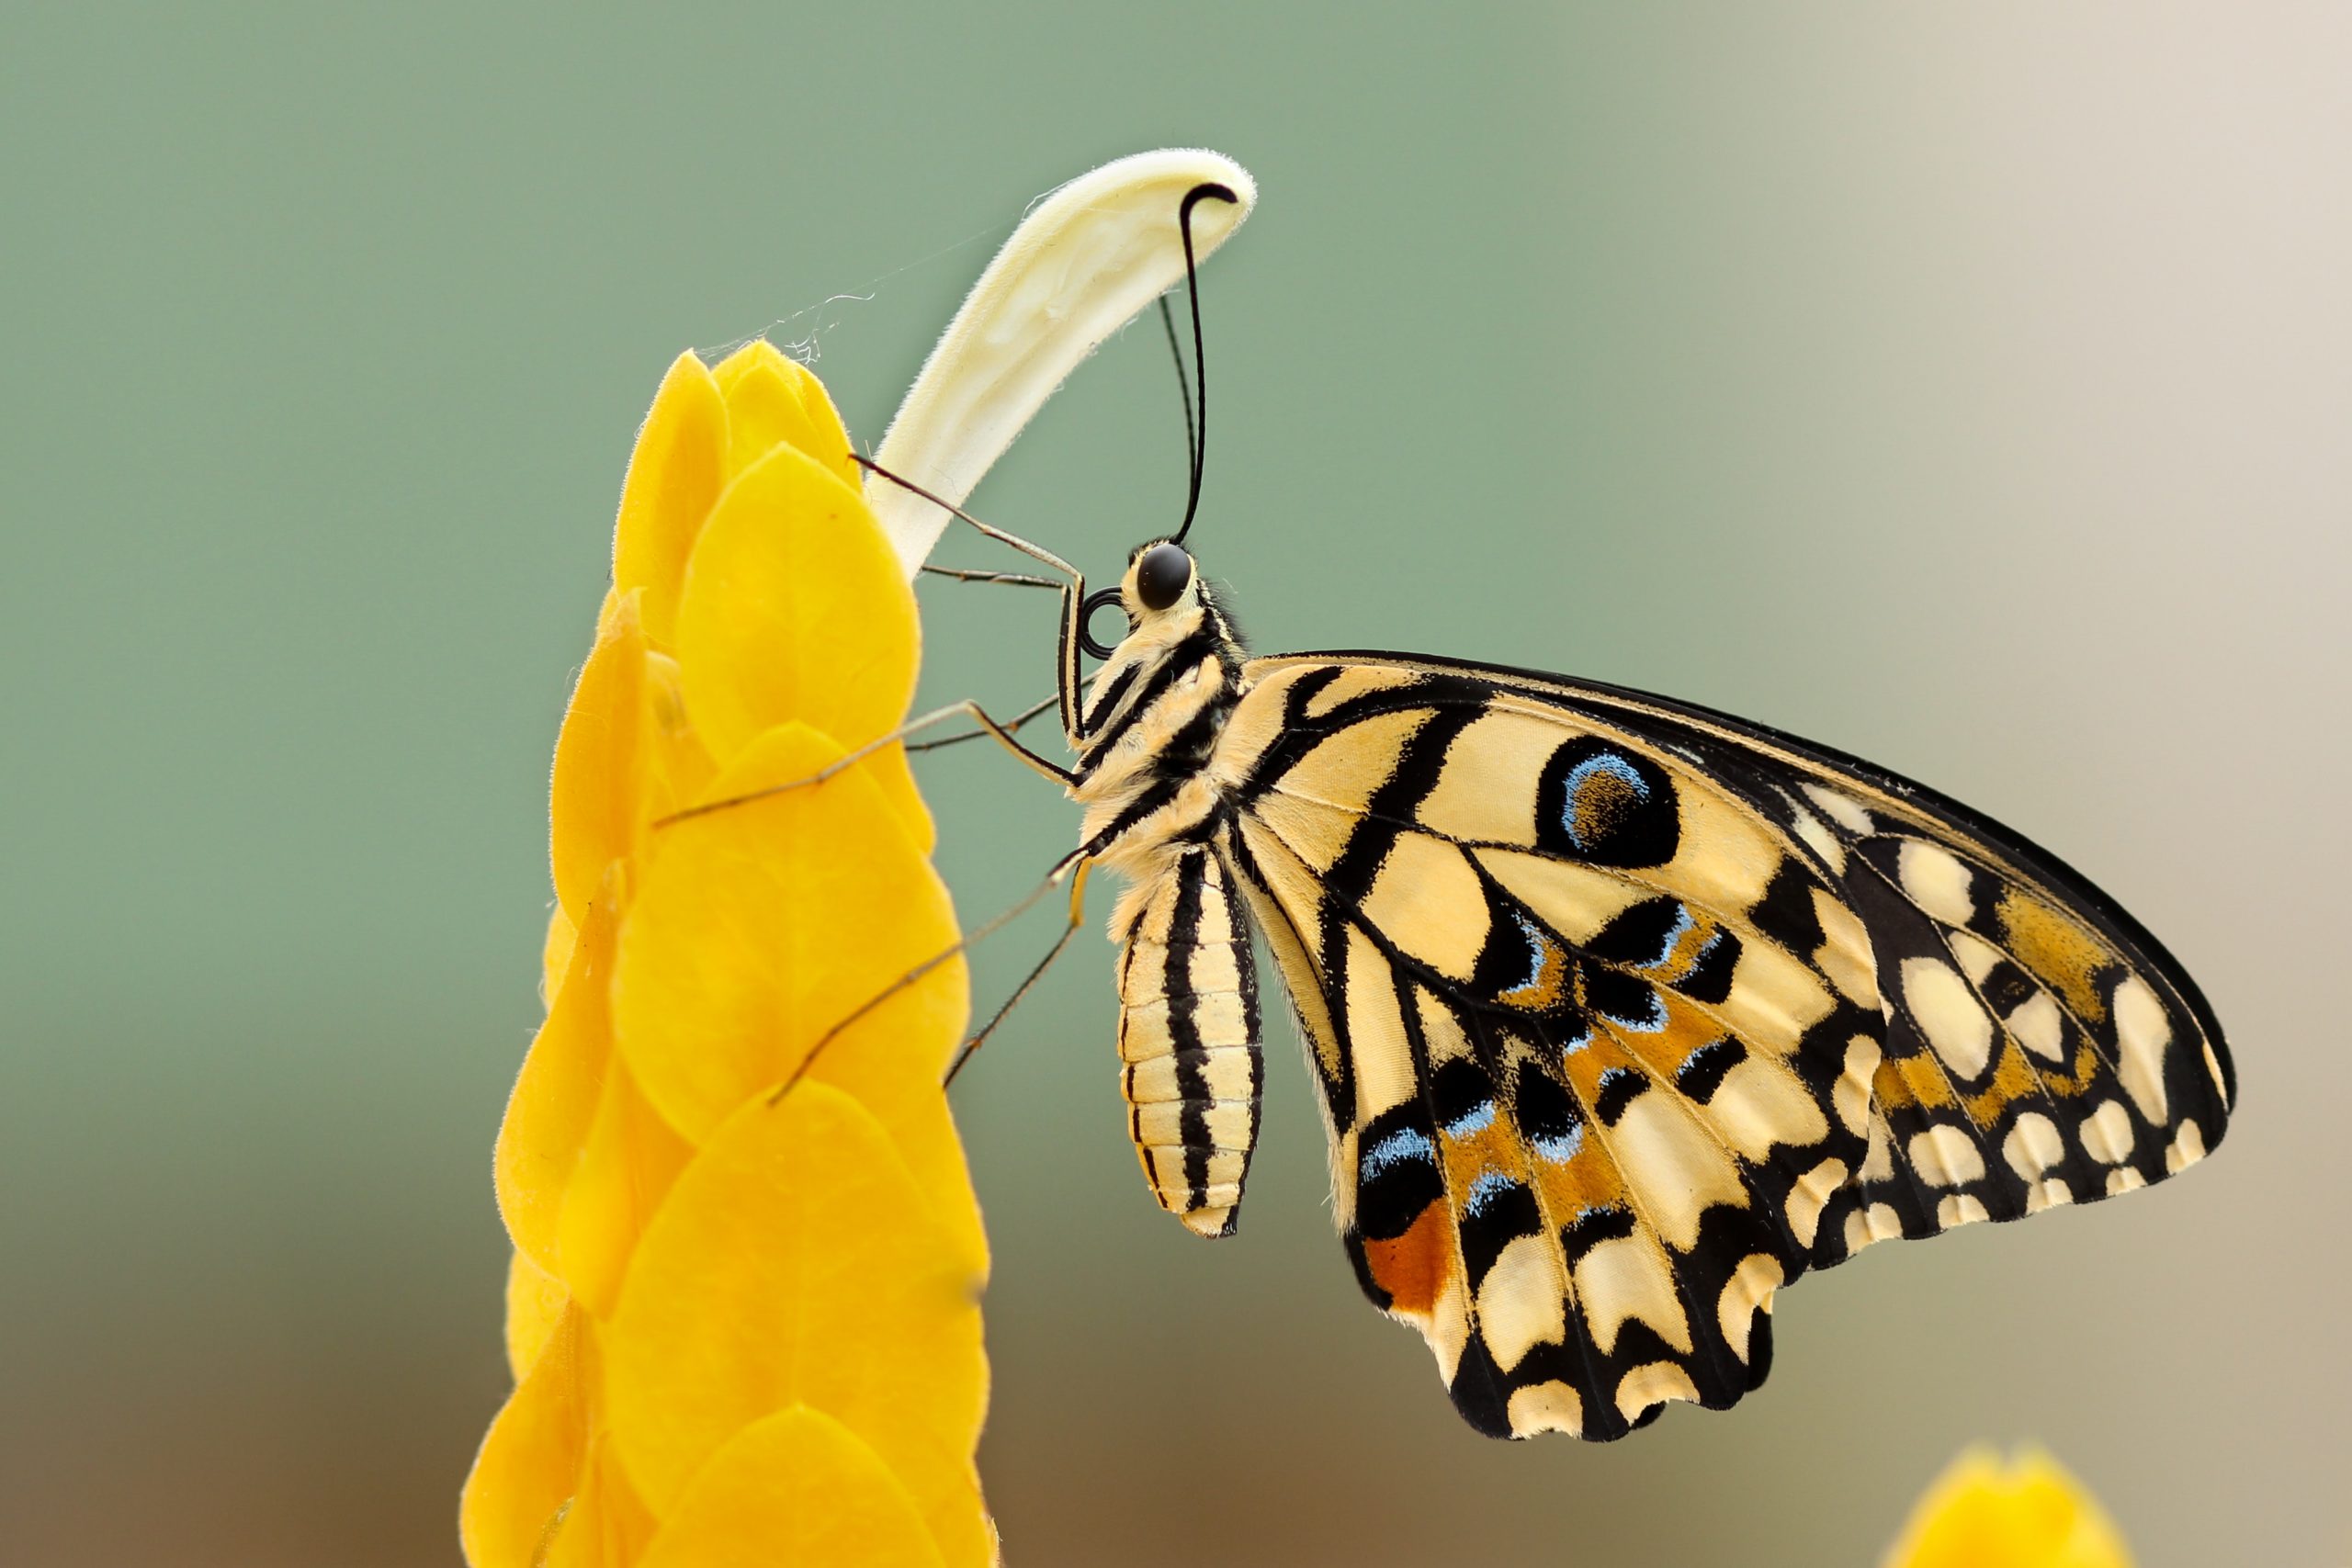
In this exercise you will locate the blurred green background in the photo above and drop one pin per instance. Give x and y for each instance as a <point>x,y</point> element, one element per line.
<point>1965,386</point>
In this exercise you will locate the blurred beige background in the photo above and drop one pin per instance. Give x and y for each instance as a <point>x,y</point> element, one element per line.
<point>1965,387</point>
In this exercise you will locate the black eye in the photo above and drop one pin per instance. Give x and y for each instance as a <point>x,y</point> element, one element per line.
<point>1161,575</point>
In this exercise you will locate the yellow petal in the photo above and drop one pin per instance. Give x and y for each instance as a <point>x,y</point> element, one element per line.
<point>2030,1514</point>
<point>555,954</point>
<point>595,804</point>
<point>749,380</point>
<point>606,1524</point>
<point>626,1169</point>
<point>534,1303</point>
<point>764,411</point>
<point>794,609</point>
<point>554,1103</point>
<point>530,1459</point>
<point>795,1263</point>
<point>829,438</point>
<point>801,1488</point>
<point>760,926</point>
<point>674,476</point>
<point>677,766</point>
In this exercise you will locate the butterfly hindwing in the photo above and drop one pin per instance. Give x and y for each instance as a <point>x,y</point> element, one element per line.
<point>1625,1014</point>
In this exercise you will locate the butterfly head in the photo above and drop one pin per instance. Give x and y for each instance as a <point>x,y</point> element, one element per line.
<point>1162,596</point>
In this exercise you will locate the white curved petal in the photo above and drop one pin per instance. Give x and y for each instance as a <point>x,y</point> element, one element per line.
<point>1085,260</point>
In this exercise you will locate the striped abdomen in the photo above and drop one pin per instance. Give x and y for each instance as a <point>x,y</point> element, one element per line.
<point>1188,1033</point>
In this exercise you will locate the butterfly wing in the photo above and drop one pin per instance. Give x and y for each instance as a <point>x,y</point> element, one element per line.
<point>1625,1013</point>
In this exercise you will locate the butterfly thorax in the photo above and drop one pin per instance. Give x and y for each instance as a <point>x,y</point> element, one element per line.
<point>1152,719</point>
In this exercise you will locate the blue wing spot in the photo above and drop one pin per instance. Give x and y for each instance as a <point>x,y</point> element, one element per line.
<point>1580,799</point>
<point>1476,1120</point>
<point>1489,1186</point>
<point>1404,1144</point>
<point>1560,1147</point>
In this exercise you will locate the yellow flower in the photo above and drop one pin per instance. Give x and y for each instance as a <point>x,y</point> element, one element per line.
<point>743,1325</point>
<point>2028,1513</point>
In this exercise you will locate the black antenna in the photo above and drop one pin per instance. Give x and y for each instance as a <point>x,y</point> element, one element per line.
<point>1200,430</point>
<point>1185,391</point>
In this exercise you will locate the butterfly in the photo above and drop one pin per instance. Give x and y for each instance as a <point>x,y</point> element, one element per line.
<point>1622,1013</point>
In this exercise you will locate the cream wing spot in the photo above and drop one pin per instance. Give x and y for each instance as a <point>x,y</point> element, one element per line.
<point>1977,957</point>
<point>2213,1071</point>
<point>1948,1014</point>
<point>2037,1025</point>
<point>2033,1146</point>
<point>1851,1094</point>
<point>1960,1210</point>
<point>1383,1061</point>
<point>1523,1299</point>
<point>1627,1277</point>
<point>1429,900</point>
<point>1573,900</point>
<point>1345,769</point>
<point>1488,797</point>
<point>1845,954</point>
<point>2049,1194</point>
<point>2107,1132</point>
<point>1821,840</point>
<point>1874,1223</point>
<point>1946,1157</point>
<point>1760,1104</point>
<point>2142,1033</point>
<point>1841,809</point>
<point>1546,1407</point>
<point>1448,1326</point>
<point>2187,1148</point>
<point>1878,1160</point>
<point>2122,1180</point>
<point>1749,1288</point>
<point>1936,881</point>
<point>1809,1197</point>
<point>1674,1167</point>
<point>1654,1383</point>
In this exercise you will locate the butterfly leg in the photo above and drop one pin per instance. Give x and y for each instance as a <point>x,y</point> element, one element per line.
<point>1013,725</point>
<point>1012,579</point>
<point>1073,590</point>
<point>989,726</point>
<point>1069,929</point>
<point>1072,867</point>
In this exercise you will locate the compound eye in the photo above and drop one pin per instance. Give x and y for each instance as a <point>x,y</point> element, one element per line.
<point>1161,575</point>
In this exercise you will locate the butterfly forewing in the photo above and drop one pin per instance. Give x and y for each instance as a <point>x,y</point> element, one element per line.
<point>1625,1013</point>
